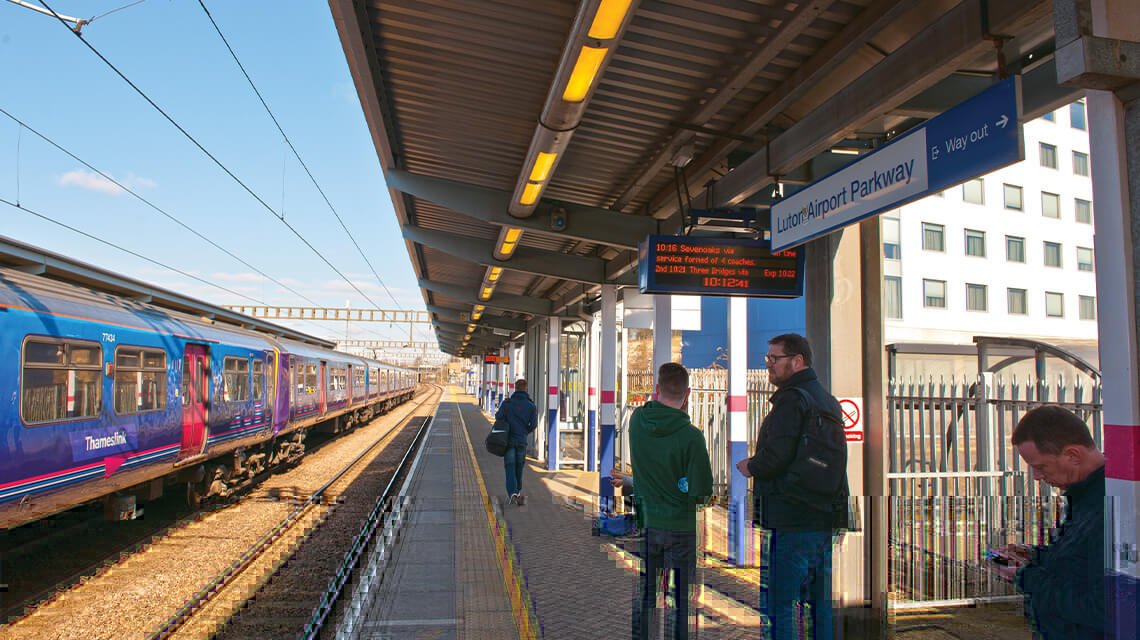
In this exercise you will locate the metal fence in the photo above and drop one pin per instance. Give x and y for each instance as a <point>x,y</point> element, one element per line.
<point>956,485</point>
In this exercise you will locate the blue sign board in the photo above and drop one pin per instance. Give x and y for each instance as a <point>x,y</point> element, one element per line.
<point>978,136</point>
<point>706,266</point>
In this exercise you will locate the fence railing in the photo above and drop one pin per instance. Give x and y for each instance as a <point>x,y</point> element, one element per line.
<point>956,485</point>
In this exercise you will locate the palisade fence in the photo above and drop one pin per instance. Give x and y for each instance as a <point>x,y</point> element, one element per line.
<point>957,487</point>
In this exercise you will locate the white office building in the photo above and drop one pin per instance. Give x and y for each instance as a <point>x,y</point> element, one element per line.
<point>1008,254</point>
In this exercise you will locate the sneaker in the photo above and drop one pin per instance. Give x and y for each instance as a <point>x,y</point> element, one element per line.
<point>520,499</point>
<point>513,499</point>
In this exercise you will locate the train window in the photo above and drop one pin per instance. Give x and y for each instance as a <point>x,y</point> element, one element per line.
<point>186,378</point>
<point>61,380</point>
<point>311,378</point>
<point>258,379</point>
<point>140,380</point>
<point>338,380</point>
<point>358,379</point>
<point>235,378</point>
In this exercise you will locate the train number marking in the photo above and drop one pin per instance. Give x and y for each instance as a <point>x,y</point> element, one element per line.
<point>108,337</point>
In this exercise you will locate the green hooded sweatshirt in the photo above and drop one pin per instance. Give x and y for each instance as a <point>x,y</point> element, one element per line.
<point>665,447</point>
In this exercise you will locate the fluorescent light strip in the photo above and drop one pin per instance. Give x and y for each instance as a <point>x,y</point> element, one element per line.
<point>585,71</point>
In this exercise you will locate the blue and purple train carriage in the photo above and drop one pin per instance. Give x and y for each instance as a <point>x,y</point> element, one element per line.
<point>114,398</point>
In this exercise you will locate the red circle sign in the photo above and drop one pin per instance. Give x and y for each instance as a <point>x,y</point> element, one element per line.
<point>850,413</point>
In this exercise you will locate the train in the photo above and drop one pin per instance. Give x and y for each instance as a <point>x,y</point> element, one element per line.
<point>115,399</point>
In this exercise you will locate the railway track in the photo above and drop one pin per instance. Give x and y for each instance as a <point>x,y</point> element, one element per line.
<point>191,578</point>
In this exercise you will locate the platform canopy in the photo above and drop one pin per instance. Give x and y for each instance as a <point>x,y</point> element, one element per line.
<point>529,146</point>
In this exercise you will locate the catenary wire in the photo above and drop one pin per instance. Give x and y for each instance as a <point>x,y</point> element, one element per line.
<point>223,167</point>
<point>150,204</point>
<point>126,250</point>
<point>294,150</point>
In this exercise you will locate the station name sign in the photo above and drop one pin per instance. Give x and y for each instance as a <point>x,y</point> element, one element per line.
<point>979,135</point>
<point>719,267</point>
<point>489,359</point>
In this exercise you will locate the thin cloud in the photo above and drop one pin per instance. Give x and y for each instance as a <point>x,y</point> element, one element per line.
<point>92,181</point>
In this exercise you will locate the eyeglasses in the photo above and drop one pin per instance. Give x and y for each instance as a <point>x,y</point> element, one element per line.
<point>772,358</point>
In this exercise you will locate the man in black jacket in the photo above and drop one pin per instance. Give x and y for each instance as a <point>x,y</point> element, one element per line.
<point>802,536</point>
<point>1064,580</point>
<point>522,416</point>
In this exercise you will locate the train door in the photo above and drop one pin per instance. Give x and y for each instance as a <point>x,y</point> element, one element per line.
<point>282,390</point>
<point>351,383</point>
<point>195,399</point>
<point>323,386</point>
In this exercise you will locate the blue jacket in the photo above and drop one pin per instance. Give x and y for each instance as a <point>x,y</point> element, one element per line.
<point>521,414</point>
<point>1065,580</point>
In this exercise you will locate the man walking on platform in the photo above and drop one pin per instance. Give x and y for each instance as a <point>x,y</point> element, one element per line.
<point>522,417</point>
<point>800,487</point>
<point>674,477</point>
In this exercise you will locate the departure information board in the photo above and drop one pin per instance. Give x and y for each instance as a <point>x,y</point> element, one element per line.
<point>719,267</point>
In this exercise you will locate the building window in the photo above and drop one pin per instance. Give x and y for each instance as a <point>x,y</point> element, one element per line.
<point>235,379</point>
<point>973,191</point>
<point>933,237</point>
<point>1054,304</point>
<point>975,243</point>
<point>1087,307</point>
<point>892,296</point>
<point>1012,197</point>
<point>1053,254</point>
<point>1077,115</point>
<point>1014,249</point>
<point>892,250</point>
<point>934,293</point>
<point>62,380</point>
<point>1084,210</point>
<point>1048,156</point>
<point>976,298</point>
<point>1084,259</point>
<point>140,380</point>
<point>1050,205</point>
<point>1080,163</point>
<point>1017,301</point>
<point>1049,116</point>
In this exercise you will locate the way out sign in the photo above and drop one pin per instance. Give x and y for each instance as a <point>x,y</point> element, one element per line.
<point>852,418</point>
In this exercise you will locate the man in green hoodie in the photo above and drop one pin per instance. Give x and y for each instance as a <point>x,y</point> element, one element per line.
<point>674,477</point>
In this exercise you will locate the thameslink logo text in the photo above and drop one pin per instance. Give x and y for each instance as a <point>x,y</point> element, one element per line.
<point>94,444</point>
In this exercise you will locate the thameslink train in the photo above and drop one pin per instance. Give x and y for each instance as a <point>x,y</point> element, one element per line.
<point>113,398</point>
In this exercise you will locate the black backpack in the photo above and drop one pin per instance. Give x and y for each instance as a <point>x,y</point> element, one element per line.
<point>817,476</point>
<point>498,440</point>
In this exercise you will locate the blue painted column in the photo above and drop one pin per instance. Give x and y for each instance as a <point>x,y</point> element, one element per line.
<point>552,370</point>
<point>739,530</point>
<point>607,377</point>
<point>592,370</point>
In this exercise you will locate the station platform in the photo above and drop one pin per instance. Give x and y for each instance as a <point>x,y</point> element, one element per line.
<point>469,565</point>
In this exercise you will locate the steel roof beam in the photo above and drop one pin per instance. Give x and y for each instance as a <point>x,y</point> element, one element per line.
<point>463,315</point>
<point>499,300</point>
<point>590,224</point>
<point>525,259</point>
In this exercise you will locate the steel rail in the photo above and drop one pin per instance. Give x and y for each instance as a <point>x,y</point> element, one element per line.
<point>352,557</point>
<point>200,599</point>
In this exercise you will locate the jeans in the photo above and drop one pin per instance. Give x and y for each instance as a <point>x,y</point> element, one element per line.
<point>513,462</point>
<point>663,551</point>
<point>800,571</point>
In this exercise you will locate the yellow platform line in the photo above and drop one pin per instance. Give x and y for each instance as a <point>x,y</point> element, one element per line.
<point>512,575</point>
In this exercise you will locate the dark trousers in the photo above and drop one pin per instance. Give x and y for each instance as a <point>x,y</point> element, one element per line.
<point>513,462</point>
<point>665,552</point>
<point>800,571</point>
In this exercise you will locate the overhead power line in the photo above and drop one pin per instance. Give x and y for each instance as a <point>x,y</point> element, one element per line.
<point>294,150</point>
<point>124,249</point>
<point>150,204</point>
<point>209,155</point>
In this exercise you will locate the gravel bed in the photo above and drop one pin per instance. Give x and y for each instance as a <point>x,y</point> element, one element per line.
<point>285,605</point>
<point>134,596</point>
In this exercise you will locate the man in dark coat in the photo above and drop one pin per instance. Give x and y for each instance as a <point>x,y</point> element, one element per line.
<point>522,417</point>
<point>1064,580</point>
<point>802,536</point>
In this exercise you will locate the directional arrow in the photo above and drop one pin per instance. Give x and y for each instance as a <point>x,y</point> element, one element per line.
<point>1004,121</point>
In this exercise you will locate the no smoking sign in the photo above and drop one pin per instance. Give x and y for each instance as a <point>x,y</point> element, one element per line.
<point>852,418</point>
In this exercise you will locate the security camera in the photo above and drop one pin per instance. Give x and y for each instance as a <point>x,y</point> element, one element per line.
<point>558,219</point>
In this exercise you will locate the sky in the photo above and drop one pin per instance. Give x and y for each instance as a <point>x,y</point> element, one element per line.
<point>57,86</point>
